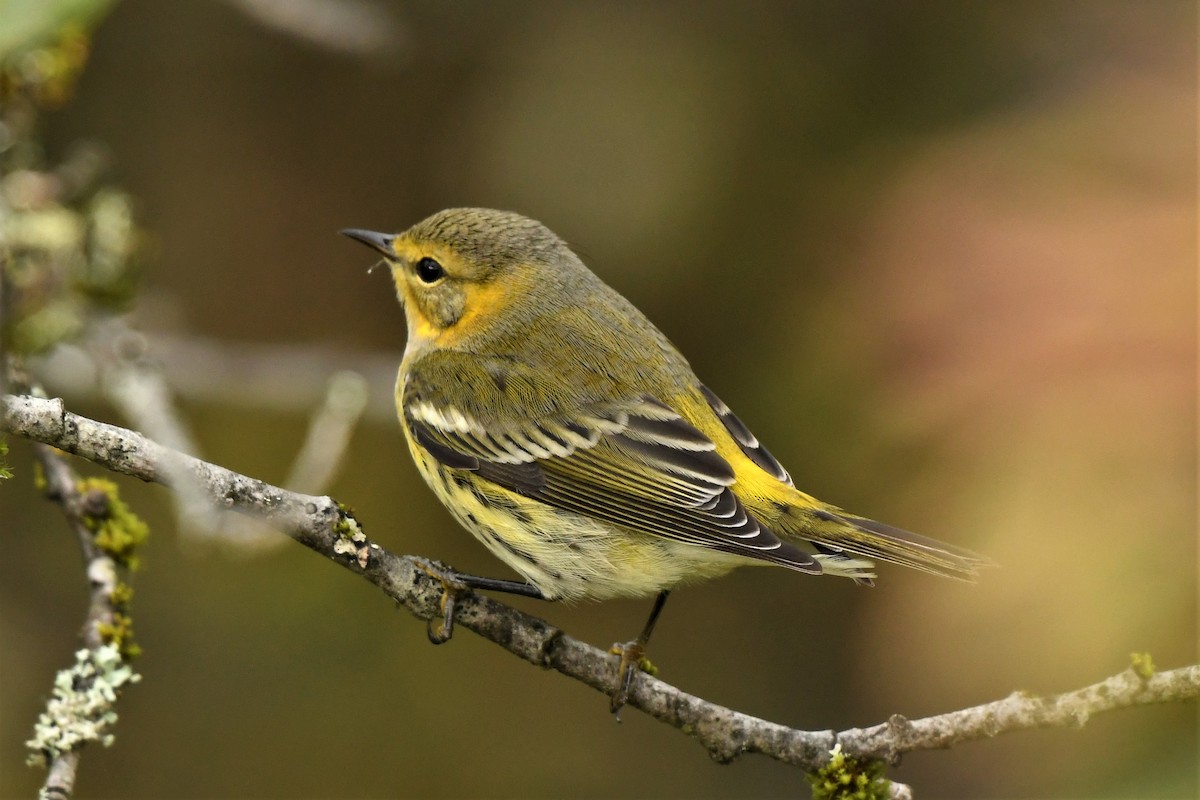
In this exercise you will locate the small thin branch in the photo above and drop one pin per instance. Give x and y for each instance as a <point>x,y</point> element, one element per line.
<point>324,526</point>
<point>60,777</point>
<point>329,433</point>
<point>1022,711</point>
<point>256,375</point>
<point>141,395</point>
<point>126,368</point>
<point>62,486</point>
<point>355,27</point>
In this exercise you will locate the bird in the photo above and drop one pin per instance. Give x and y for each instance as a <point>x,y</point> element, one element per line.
<point>563,430</point>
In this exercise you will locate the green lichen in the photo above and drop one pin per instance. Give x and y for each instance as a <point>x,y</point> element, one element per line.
<point>119,634</point>
<point>351,541</point>
<point>849,778</point>
<point>347,525</point>
<point>81,706</point>
<point>121,596</point>
<point>118,531</point>
<point>1142,665</point>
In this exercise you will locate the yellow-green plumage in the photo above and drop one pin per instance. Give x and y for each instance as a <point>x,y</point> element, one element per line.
<point>565,431</point>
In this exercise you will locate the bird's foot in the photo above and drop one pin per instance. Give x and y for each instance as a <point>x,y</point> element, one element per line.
<point>441,628</point>
<point>632,660</point>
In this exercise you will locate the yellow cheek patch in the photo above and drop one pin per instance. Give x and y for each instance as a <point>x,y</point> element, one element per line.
<point>408,252</point>
<point>483,300</point>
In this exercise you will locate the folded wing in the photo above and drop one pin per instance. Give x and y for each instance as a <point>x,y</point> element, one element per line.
<point>635,463</point>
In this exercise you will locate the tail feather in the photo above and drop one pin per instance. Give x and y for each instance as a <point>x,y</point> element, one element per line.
<point>837,531</point>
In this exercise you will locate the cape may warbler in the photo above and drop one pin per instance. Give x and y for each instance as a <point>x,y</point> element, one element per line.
<point>563,430</point>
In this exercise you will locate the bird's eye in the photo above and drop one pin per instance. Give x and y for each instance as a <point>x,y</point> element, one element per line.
<point>429,270</point>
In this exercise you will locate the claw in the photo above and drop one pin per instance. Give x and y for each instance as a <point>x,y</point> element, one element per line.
<point>633,660</point>
<point>441,629</point>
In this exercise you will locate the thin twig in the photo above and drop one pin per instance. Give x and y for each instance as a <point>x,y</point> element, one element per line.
<point>355,27</point>
<point>1022,711</point>
<point>324,526</point>
<point>329,432</point>
<point>254,375</point>
<point>130,375</point>
<point>60,777</point>
<point>62,486</point>
<point>144,399</point>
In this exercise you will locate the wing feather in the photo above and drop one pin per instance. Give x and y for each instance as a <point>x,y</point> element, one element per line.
<point>746,440</point>
<point>637,464</point>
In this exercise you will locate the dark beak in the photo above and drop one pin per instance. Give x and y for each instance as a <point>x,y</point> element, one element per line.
<point>377,241</point>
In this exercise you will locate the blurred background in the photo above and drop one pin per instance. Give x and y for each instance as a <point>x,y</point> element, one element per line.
<point>940,256</point>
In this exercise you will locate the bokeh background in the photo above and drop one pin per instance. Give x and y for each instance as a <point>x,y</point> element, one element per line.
<point>940,256</point>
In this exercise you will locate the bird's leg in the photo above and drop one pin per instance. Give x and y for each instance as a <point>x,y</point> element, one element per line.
<point>633,656</point>
<point>455,583</point>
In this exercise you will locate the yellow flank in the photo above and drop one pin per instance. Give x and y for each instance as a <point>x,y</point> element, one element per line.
<point>762,492</point>
<point>563,430</point>
<point>755,486</point>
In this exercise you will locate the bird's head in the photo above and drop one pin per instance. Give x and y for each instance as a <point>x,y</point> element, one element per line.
<point>465,271</point>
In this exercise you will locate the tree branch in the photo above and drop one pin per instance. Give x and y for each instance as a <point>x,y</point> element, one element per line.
<point>81,710</point>
<point>141,378</point>
<point>328,528</point>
